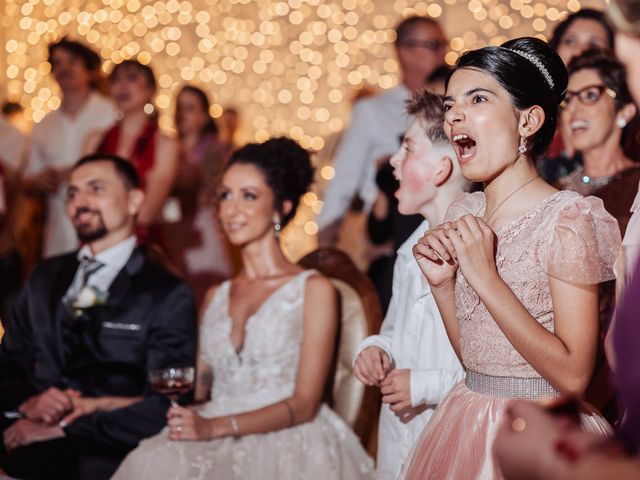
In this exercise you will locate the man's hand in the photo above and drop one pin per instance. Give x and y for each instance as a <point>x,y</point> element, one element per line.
<point>24,432</point>
<point>372,366</point>
<point>396,390</point>
<point>47,407</point>
<point>81,406</point>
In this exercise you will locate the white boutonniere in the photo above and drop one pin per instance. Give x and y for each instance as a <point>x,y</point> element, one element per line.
<point>88,297</point>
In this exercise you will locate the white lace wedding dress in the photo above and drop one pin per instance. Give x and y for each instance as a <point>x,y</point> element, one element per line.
<point>263,373</point>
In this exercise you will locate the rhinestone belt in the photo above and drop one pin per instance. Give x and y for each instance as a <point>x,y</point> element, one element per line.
<point>509,387</point>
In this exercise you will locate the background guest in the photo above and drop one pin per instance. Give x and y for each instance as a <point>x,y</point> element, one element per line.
<point>193,240</point>
<point>377,124</point>
<point>57,141</point>
<point>136,136</point>
<point>229,128</point>
<point>87,329</point>
<point>12,156</point>
<point>269,336</point>
<point>601,117</point>
<point>583,30</point>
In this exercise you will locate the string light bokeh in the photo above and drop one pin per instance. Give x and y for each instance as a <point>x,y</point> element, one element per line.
<point>290,67</point>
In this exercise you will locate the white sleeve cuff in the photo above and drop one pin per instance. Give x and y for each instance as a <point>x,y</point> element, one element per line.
<point>374,341</point>
<point>431,386</point>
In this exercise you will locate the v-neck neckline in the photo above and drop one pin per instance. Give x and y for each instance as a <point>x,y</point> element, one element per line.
<point>238,351</point>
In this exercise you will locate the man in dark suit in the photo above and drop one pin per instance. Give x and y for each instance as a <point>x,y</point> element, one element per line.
<point>87,329</point>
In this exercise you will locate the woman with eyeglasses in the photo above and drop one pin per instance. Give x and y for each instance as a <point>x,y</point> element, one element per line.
<point>580,31</point>
<point>602,119</point>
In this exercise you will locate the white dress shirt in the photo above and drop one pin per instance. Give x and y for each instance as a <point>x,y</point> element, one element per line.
<point>414,337</point>
<point>113,259</point>
<point>12,145</point>
<point>57,141</point>
<point>375,129</point>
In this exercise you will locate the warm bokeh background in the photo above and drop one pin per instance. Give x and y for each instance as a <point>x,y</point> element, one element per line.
<point>289,67</point>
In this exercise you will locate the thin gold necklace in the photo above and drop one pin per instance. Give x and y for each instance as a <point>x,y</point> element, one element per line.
<point>508,197</point>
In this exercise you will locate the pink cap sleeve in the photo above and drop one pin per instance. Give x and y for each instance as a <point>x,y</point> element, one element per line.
<point>584,244</point>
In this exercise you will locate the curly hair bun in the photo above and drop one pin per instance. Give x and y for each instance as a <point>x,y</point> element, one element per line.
<point>286,166</point>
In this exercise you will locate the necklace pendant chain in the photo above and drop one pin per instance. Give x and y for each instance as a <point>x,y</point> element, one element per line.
<point>508,197</point>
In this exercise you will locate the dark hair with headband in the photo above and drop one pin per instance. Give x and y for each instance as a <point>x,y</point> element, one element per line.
<point>532,73</point>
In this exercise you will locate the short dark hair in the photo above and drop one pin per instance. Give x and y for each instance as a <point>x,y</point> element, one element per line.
<point>512,66</point>
<point>584,14</point>
<point>91,59</point>
<point>145,70</point>
<point>124,168</point>
<point>286,167</point>
<point>406,26</point>
<point>210,126</point>
<point>428,106</point>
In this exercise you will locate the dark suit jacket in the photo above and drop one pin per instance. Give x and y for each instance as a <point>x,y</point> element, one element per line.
<point>148,322</point>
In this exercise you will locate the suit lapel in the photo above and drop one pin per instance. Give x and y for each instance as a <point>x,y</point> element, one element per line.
<point>63,279</point>
<point>123,281</point>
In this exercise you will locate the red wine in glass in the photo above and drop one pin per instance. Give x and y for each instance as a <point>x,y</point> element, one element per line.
<point>172,382</point>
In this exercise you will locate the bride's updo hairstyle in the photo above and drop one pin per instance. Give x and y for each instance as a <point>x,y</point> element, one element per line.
<point>532,73</point>
<point>286,167</point>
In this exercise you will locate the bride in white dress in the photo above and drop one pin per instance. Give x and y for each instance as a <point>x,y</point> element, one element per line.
<point>268,336</point>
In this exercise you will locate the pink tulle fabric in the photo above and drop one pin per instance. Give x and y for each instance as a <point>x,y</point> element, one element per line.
<point>457,443</point>
<point>567,236</point>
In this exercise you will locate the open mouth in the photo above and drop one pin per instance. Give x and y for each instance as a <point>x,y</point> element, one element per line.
<point>464,145</point>
<point>578,126</point>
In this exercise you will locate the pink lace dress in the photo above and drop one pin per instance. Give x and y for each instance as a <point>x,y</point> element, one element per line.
<point>567,236</point>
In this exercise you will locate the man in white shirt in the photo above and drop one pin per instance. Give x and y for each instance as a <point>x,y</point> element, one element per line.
<point>412,360</point>
<point>12,149</point>
<point>58,140</point>
<point>377,123</point>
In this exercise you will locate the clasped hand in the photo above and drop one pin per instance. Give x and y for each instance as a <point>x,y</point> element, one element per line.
<point>43,416</point>
<point>467,243</point>
<point>373,367</point>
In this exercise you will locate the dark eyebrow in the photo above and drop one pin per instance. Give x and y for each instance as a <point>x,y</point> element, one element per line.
<point>471,92</point>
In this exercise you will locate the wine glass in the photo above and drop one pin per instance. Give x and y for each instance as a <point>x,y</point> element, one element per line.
<point>172,382</point>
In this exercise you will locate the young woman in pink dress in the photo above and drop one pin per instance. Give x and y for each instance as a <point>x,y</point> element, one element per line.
<point>515,269</point>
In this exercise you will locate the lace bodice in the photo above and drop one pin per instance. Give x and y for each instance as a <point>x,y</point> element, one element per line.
<point>264,371</point>
<point>567,236</point>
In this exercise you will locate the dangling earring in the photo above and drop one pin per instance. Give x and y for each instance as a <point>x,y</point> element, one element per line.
<point>621,122</point>
<point>277,226</point>
<point>522,148</point>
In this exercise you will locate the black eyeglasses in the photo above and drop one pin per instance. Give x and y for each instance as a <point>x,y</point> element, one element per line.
<point>589,95</point>
<point>431,45</point>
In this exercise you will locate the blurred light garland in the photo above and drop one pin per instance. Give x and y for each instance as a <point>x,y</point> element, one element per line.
<point>290,67</point>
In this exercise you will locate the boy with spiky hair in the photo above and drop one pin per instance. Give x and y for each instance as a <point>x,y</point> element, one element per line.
<point>411,360</point>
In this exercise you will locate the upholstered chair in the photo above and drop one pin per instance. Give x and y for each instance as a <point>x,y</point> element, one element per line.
<point>360,316</point>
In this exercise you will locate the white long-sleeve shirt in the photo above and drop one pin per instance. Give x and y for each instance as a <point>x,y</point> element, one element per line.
<point>414,337</point>
<point>376,126</point>
<point>57,141</point>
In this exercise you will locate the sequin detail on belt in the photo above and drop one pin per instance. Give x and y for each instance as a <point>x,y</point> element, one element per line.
<point>509,387</point>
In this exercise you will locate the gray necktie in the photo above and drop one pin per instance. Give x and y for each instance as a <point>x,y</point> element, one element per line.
<point>88,266</point>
